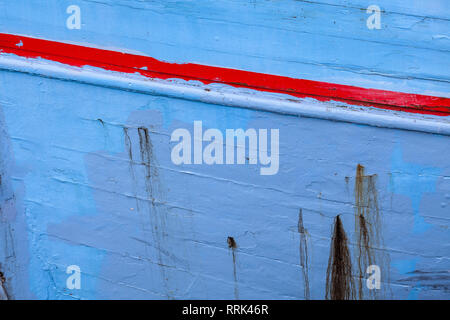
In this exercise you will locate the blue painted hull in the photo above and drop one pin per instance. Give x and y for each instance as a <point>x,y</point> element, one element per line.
<point>87,177</point>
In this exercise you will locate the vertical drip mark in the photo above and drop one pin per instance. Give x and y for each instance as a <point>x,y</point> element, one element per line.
<point>131,166</point>
<point>146,151</point>
<point>303,249</point>
<point>148,161</point>
<point>105,133</point>
<point>365,257</point>
<point>232,245</point>
<point>367,230</point>
<point>157,220</point>
<point>129,147</point>
<point>151,183</point>
<point>339,283</point>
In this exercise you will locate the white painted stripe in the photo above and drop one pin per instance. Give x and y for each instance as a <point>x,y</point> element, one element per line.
<point>228,97</point>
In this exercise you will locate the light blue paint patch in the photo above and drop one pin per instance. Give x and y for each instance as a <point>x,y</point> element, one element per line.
<point>45,207</point>
<point>412,180</point>
<point>405,267</point>
<point>51,281</point>
<point>57,188</point>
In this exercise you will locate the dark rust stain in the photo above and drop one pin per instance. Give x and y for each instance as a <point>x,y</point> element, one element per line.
<point>339,283</point>
<point>233,246</point>
<point>147,160</point>
<point>231,243</point>
<point>145,146</point>
<point>303,249</point>
<point>3,289</point>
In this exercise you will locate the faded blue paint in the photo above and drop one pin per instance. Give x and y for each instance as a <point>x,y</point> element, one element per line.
<point>405,267</point>
<point>413,180</point>
<point>79,199</point>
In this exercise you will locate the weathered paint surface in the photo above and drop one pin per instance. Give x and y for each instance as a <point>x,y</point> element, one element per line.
<point>87,179</point>
<point>80,56</point>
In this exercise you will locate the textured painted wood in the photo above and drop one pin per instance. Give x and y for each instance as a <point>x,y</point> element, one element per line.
<point>87,179</point>
<point>82,56</point>
<point>325,43</point>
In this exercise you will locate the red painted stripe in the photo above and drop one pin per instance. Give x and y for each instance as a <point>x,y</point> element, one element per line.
<point>79,56</point>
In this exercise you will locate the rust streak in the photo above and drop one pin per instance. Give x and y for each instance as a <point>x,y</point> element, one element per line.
<point>339,283</point>
<point>368,231</point>
<point>233,246</point>
<point>303,250</point>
